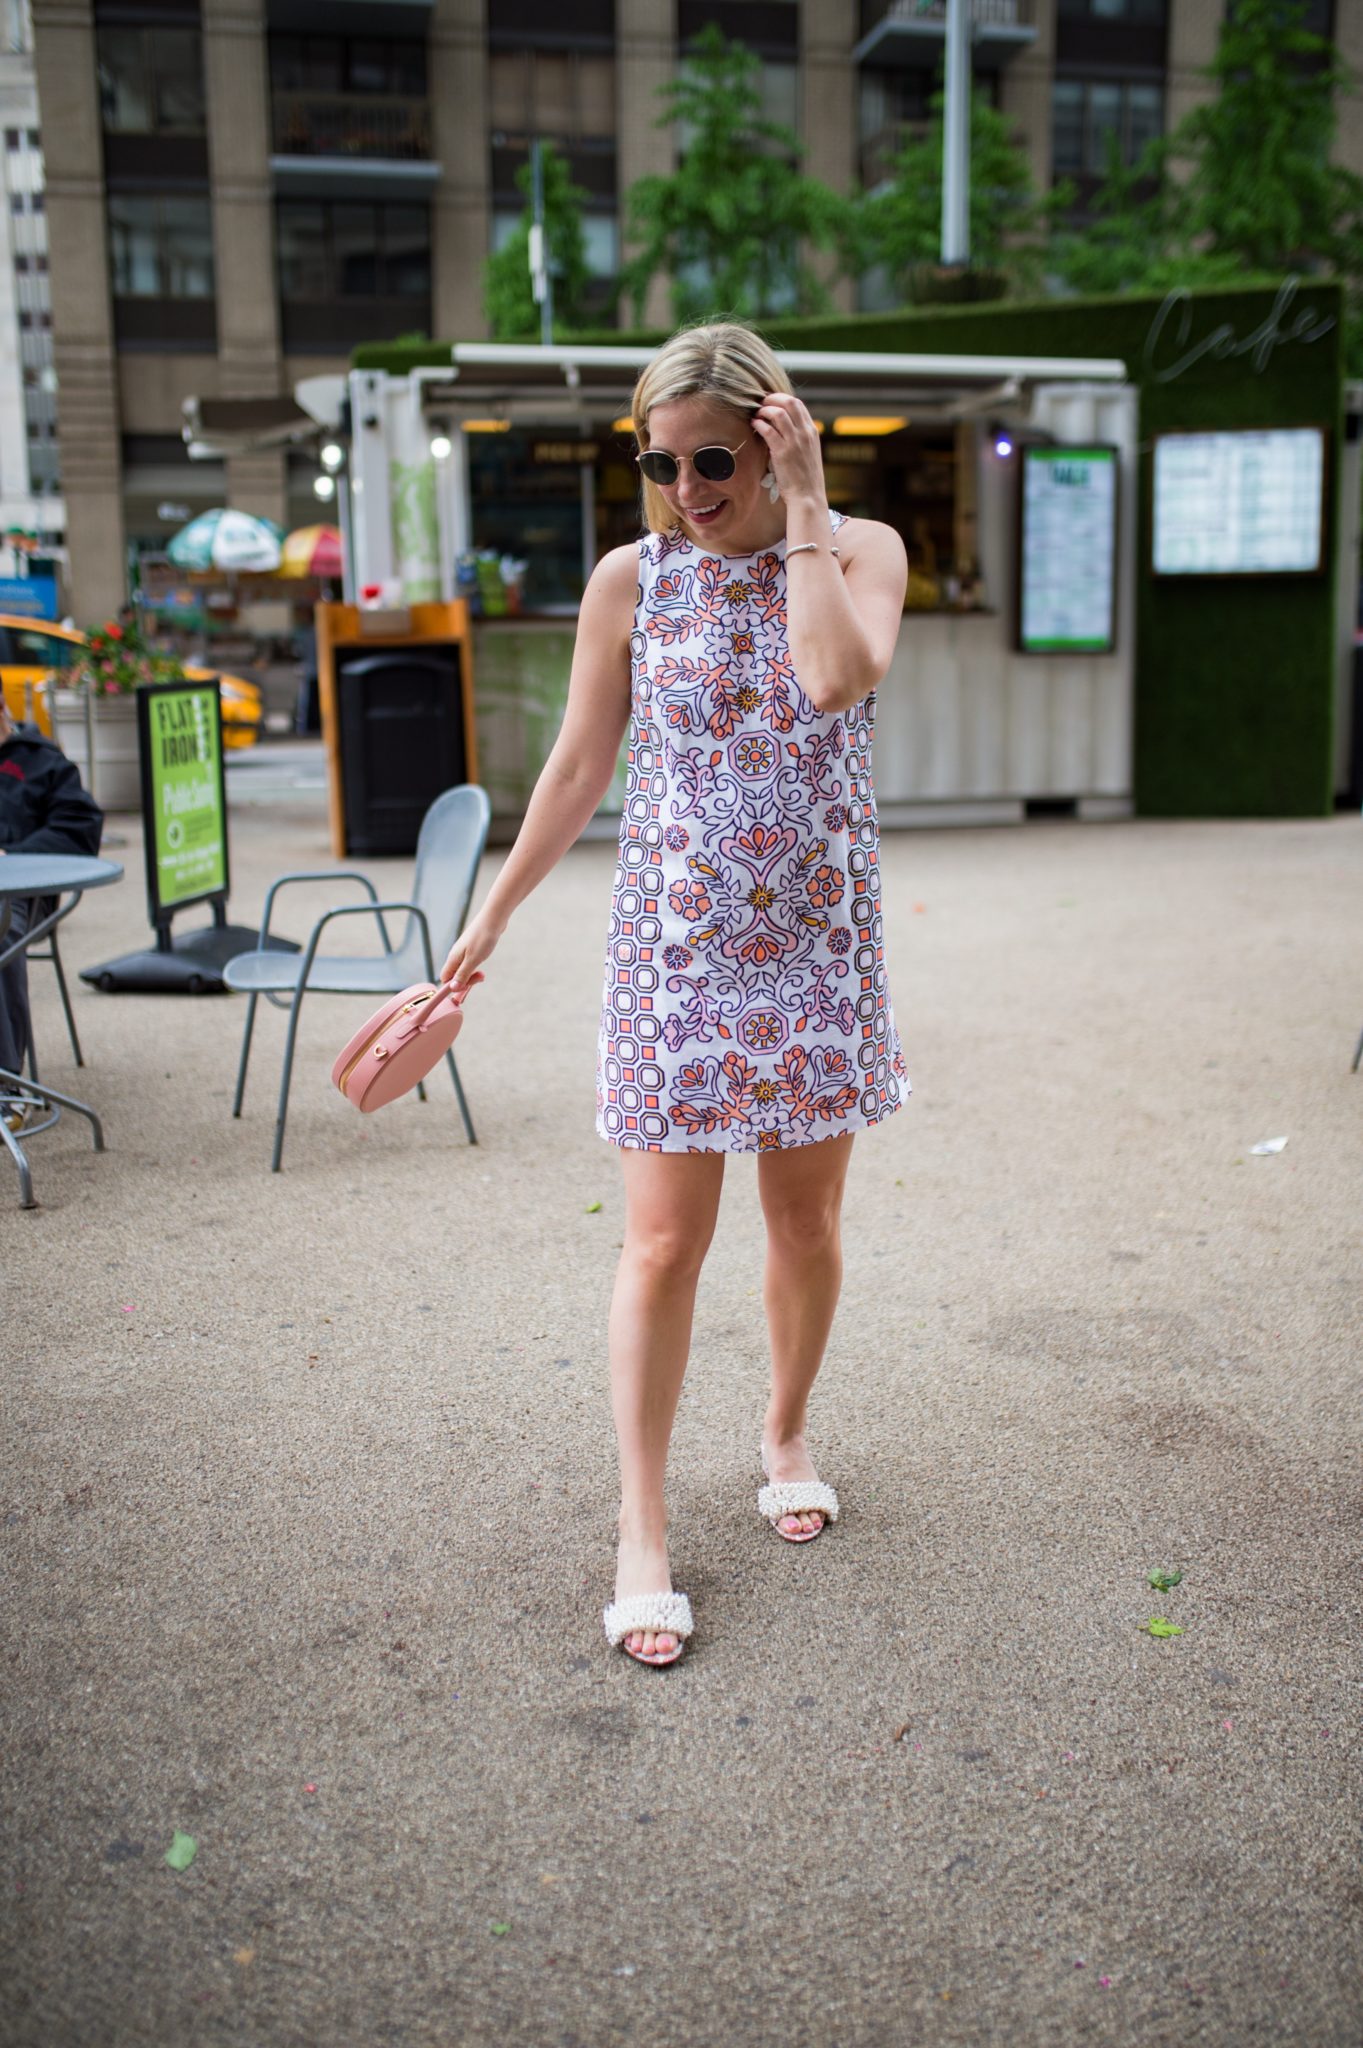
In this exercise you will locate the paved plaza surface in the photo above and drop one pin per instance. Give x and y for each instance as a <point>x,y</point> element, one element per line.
<point>308,1503</point>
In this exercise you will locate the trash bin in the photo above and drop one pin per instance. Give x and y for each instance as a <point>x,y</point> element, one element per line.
<point>397,717</point>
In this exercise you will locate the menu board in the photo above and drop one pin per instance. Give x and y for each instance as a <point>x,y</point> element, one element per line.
<point>1249,503</point>
<point>184,808</point>
<point>1068,574</point>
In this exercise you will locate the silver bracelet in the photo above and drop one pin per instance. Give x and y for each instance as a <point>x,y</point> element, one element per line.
<point>807,547</point>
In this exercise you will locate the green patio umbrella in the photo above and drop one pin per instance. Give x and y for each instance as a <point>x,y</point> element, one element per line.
<point>227,539</point>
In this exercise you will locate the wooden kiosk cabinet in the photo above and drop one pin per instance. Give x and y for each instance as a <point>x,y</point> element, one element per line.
<point>396,691</point>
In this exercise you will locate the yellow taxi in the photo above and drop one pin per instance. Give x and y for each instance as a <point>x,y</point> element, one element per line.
<point>33,648</point>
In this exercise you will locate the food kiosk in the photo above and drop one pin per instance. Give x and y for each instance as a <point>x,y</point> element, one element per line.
<point>1127,592</point>
<point>525,454</point>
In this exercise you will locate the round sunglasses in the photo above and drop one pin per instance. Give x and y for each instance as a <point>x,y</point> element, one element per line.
<point>715,465</point>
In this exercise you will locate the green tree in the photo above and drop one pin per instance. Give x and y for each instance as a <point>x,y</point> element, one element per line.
<point>1129,234</point>
<point>1262,185</point>
<point>899,225</point>
<point>1243,184</point>
<point>726,227</point>
<point>508,295</point>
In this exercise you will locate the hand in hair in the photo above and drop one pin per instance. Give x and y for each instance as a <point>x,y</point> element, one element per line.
<point>783,421</point>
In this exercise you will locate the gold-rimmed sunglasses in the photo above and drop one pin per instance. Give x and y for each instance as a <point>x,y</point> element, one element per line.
<point>716,465</point>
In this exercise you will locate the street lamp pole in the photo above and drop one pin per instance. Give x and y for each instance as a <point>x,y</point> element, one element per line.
<point>956,138</point>
<point>542,282</point>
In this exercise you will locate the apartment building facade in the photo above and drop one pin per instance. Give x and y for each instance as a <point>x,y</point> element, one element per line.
<point>239,191</point>
<point>30,490</point>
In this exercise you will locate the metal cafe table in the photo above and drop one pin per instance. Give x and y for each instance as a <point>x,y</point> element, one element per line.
<point>65,877</point>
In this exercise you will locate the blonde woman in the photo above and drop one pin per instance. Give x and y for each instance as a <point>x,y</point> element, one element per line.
<point>746,1005</point>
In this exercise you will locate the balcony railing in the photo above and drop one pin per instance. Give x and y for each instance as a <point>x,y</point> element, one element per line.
<point>983,13</point>
<point>910,33</point>
<point>377,126</point>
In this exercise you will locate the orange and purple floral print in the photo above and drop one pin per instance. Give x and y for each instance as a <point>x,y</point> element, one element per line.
<point>747,1003</point>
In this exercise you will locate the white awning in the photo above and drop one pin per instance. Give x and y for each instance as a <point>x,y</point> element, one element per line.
<point>523,380</point>
<point>215,428</point>
<point>799,361</point>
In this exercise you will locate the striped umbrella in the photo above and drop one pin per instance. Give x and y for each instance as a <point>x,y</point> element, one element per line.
<point>227,539</point>
<point>312,551</point>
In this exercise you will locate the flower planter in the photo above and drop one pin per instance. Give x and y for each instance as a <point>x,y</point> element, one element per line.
<point>114,779</point>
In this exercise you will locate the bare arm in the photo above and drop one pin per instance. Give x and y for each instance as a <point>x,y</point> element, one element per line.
<point>578,771</point>
<point>844,611</point>
<point>844,623</point>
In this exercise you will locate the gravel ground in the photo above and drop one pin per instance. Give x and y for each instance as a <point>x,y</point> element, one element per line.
<point>308,1505</point>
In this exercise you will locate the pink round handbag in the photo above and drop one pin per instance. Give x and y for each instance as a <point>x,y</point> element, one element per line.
<point>401,1042</point>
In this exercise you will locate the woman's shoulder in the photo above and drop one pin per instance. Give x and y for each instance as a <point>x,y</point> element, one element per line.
<point>856,536</point>
<point>619,565</point>
<point>616,575</point>
<point>612,590</point>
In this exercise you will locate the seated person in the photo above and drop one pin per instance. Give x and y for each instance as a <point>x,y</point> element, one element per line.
<point>43,809</point>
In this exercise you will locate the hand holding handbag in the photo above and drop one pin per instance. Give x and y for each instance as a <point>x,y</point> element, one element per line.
<point>401,1042</point>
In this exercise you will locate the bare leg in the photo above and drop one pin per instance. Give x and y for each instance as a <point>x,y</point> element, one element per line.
<point>671,1201</point>
<point>801,1195</point>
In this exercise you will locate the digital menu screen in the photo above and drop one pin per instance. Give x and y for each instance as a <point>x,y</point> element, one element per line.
<point>1068,580</point>
<point>1249,503</point>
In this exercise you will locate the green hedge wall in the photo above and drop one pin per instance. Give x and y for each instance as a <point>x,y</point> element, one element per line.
<point>1234,675</point>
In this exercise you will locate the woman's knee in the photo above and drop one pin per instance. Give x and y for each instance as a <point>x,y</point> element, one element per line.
<point>805,1228</point>
<point>672,1200</point>
<point>666,1250</point>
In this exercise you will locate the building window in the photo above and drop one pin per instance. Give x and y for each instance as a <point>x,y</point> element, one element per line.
<point>151,81</point>
<point>160,247</point>
<point>600,233</point>
<point>563,94</point>
<point>779,85</point>
<point>339,64</point>
<point>770,27</point>
<point>353,249</point>
<point>1086,114</point>
<point>351,270</point>
<point>333,97</point>
<point>568,98</point>
<point>895,107</point>
<point>524,23</point>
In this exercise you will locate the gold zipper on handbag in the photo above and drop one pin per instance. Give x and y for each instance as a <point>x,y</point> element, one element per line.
<point>379,1049</point>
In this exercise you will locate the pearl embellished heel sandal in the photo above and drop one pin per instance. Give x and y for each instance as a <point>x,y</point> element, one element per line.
<point>795,1497</point>
<point>665,1613</point>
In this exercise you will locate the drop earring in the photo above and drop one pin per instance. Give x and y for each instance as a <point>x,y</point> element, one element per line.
<point>770,485</point>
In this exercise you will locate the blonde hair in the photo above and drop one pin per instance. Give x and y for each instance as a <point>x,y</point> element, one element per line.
<point>725,361</point>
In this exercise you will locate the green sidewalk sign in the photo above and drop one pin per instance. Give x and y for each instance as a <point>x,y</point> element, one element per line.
<point>184,830</point>
<point>184,797</point>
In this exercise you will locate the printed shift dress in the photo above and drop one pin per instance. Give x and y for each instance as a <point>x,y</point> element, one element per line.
<point>746,1005</point>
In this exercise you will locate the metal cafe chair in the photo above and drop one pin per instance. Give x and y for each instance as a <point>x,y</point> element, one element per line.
<point>449,849</point>
<point>51,954</point>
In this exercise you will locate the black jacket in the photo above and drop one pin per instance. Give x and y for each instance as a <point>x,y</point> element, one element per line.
<point>43,807</point>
